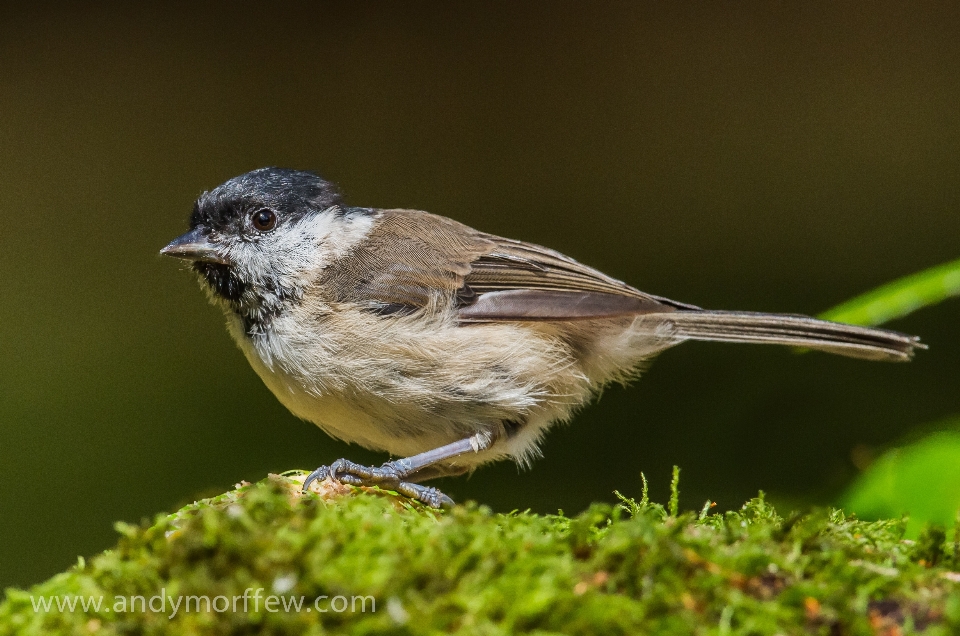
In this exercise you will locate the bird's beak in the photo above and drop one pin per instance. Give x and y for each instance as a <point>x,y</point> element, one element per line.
<point>195,246</point>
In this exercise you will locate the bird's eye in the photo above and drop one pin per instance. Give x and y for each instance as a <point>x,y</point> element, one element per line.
<point>264,220</point>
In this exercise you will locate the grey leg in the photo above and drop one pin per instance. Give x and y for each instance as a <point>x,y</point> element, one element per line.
<point>435,472</point>
<point>400,474</point>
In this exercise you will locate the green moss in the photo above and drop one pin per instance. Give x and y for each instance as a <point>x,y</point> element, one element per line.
<point>628,569</point>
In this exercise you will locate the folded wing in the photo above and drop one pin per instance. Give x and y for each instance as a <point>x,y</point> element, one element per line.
<point>412,260</point>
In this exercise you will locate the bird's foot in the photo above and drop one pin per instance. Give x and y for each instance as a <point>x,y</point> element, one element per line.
<point>390,476</point>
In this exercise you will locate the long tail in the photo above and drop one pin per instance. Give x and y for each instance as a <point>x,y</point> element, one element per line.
<point>800,331</point>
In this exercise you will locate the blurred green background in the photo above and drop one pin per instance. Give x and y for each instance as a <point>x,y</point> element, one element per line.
<point>763,156</point>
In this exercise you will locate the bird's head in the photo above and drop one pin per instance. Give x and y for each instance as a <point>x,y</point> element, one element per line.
<point>259,240</point>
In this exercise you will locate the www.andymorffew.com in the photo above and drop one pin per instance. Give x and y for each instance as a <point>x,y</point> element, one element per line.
<point>252,600</point>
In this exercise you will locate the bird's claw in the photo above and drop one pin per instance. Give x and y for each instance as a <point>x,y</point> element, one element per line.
<point>318,475</point>
<point>387,476</point>
<point>428,495</point>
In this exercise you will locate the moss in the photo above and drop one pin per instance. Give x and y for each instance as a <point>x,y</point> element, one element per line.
<point>625,569</point>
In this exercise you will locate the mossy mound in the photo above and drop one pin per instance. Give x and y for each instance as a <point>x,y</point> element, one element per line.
<point>630,569</point>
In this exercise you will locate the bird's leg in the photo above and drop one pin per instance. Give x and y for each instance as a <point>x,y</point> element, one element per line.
<point>437,471</point>
<point>400,474</point>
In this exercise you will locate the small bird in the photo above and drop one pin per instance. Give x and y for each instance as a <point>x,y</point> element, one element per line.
<point>447,347</point>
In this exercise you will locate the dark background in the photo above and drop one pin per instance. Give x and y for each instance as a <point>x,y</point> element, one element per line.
<point>759,156</point>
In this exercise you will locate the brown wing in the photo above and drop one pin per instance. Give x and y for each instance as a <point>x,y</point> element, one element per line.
<point>412,259</point>
<point>523,281</point>
<point>409,259</point>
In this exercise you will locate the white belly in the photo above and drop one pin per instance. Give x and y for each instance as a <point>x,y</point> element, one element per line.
<point>409,386</point>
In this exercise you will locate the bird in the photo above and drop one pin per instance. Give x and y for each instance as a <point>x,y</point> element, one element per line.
<point>447,347</point>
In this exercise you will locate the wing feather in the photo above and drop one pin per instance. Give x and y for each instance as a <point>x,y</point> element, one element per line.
<point>514,266</point>
<point>413,259</point>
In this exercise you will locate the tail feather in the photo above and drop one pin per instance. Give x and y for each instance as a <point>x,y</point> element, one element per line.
<point>801,331</point>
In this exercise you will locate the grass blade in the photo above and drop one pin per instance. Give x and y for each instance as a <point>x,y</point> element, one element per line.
<point>900,297</point>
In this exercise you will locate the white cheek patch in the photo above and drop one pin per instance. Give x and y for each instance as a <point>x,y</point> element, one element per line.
<point>289,259</point>
<point>325,237</point>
